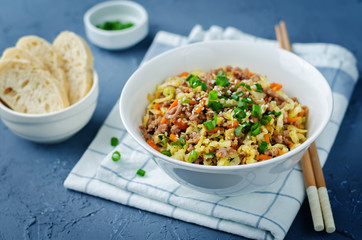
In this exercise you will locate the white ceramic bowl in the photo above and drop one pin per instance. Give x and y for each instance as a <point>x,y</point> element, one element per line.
<point>52,127</point>
<point>124,11</point>
<point>299,79</point>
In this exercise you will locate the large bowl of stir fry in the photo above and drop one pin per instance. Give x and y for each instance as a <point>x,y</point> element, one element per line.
<point>226,117</point>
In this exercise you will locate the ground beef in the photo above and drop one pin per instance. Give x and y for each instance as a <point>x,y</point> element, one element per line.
<point>225,152</point>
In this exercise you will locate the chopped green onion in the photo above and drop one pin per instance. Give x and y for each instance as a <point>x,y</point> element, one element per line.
<point>237,95</point>
<point>192,156</point>
<point>244,126</point>
<point>239,114</point>
<point>221,79</point>
<point>114,25</point>
<point>274,113</point>
<point>213,95</point>
<point>167,153</point>
<point>163,139</point>
<point>181,142</point>
<point>114,141</point>
<point>244,85</point>
<point>262,147</point>
<point>258,87</point>
<point>242,105</point>
<point>189,77</point>
<point>116,156</point>
<point>195,81</point>
<point>265,119</point>
<point>256,111</point>
<point>238,130</point>
<point>247,100</point>
<point>210,155</point>
<point>210,125</point>
<point>215,105</point>
<point>255,129</point>
<point>224,97</point>
<point>141,172</point>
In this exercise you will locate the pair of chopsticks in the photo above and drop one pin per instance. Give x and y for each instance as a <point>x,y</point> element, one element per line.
<point>313,175</point>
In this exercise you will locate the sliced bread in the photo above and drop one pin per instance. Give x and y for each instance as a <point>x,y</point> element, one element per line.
<point>45,52</point>
<point>78,64</point>
<point>28,89</point>
<point>13,53</point>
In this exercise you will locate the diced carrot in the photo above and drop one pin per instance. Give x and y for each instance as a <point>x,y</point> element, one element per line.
<point>200,106</point>
<point>174,104</point>
<point>187,89</point>
<point>184,74</point>
<point>156,106</point>
<point>281,152</point>
<point>250,74</point>
<point>276,86</point>
<point>290,145</point>
<point>214,130</point>
<point>294,119</point>
<point>173,137</point>
<point>275,133</point>
<point>233,124</point>
<point>192,102</point>
<point>263,157</point>
<point>182,123</point>
<point>266,138</point>
<point>152,144</point>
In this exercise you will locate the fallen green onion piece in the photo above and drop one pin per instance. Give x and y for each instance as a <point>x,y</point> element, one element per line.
<point>116,156</point>
<point>141,172</point>
<point>114,141</point>
<point>167,153</point>
<point>262,147</point>
<point>256,111</point>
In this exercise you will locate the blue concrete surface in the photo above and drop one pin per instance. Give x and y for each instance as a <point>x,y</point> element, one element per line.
<point>35,205</point>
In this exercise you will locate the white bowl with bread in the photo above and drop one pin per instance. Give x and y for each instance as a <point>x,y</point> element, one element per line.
<point>123,11</point>
<point>48,92</point>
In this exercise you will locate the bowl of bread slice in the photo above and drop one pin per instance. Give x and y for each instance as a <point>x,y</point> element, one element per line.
<point>48,91</point>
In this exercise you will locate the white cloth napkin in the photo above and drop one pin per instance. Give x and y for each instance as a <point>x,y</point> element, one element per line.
<point>265,214</point>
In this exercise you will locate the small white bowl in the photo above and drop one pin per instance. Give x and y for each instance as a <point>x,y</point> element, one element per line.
<point>124,11</point>
<point>299,79</point>
<point>53,127</point>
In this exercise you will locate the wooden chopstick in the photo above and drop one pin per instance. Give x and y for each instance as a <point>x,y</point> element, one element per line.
<point>322,190</point>
<point>312,170</point>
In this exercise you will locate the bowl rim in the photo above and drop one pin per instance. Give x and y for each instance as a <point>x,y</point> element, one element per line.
<point>198,167</point>
<point>29,116</point>
<point>103,5</point>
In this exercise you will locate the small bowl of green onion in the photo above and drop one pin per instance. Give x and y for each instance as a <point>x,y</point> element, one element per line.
<point>116,25</point>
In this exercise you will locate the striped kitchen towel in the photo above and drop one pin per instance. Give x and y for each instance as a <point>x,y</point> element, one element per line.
<point>265,214</point>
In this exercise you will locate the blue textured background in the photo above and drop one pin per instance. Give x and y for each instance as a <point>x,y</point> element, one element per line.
<point>35,205</point>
